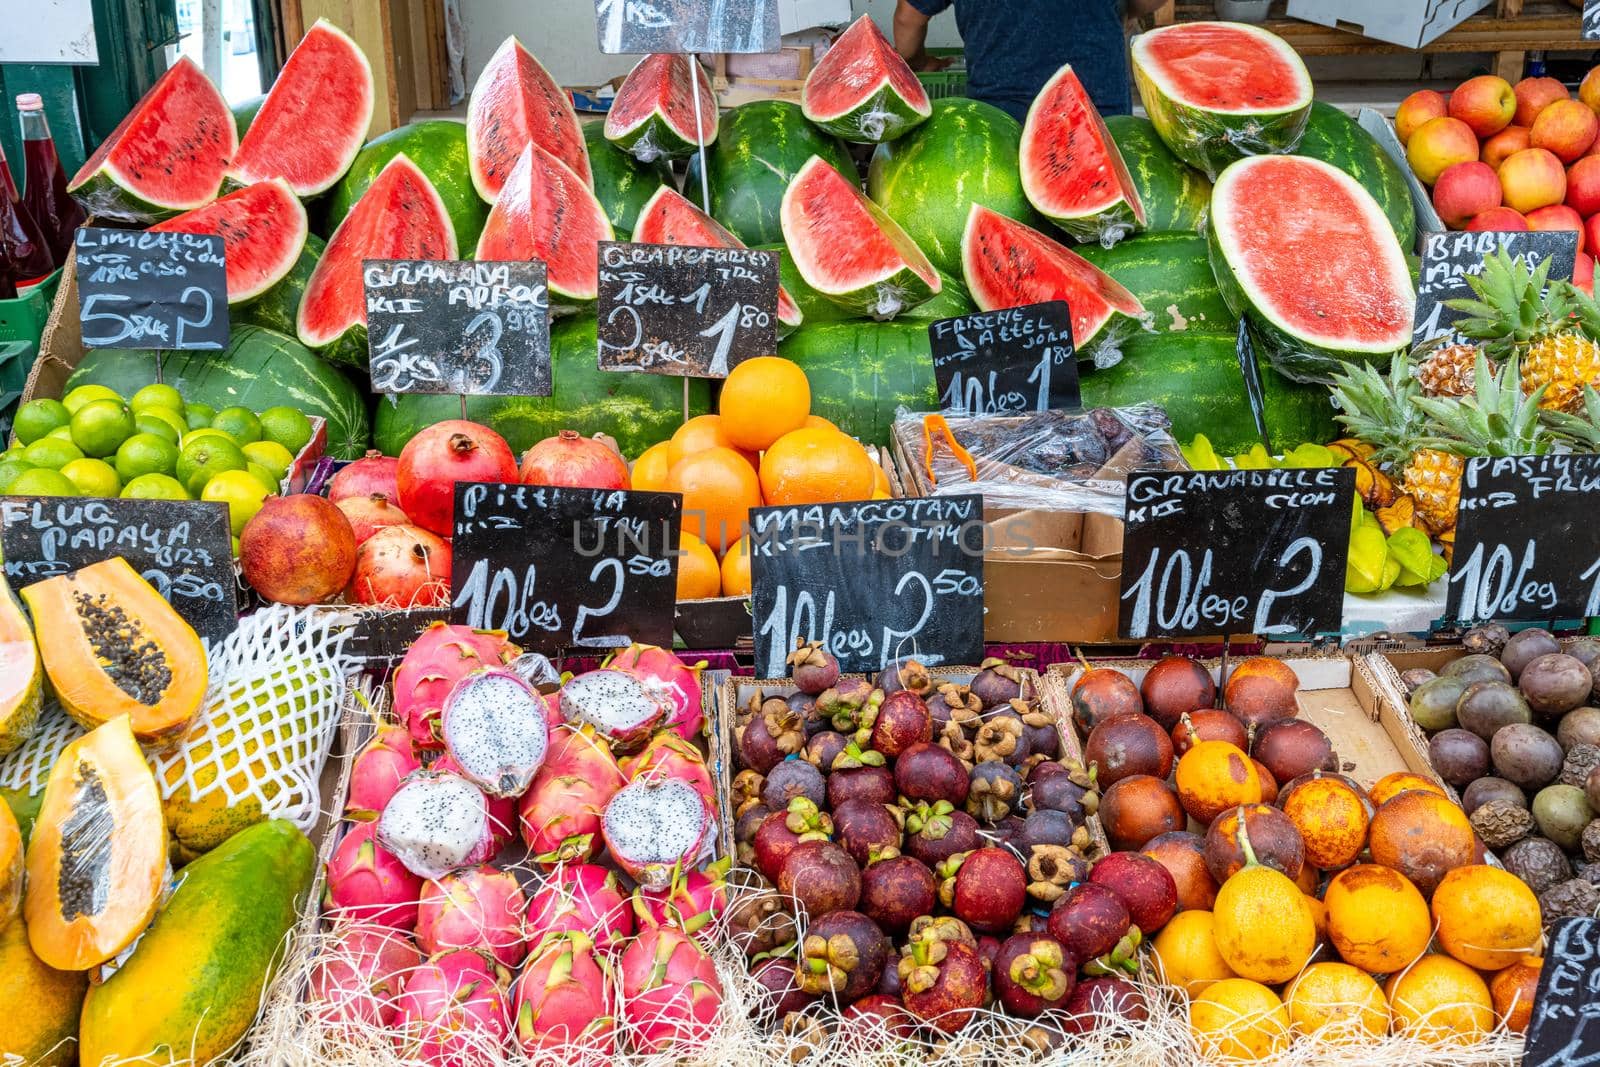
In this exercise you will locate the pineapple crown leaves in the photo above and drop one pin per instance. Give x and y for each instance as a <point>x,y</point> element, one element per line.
<point>1581,432</point>
<point>1497,420</point>
<point>1512,308</point>
<point>1381,410</point>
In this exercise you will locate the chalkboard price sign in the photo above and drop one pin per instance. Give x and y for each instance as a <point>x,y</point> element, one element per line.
<point>563,568</point>
<point>183,548</point>
<point>473,328</point>
<point>1224,552</point>
<point>872,581</point>
<point>1591,20</point>
<point>1007,361</point>
<point>1564,1028</point>
<point>383,636</point>
<point>686,310</point>
<point>1527,544</point>
<point>1448,258</point>
<point>636,27</point>
<point>138,289</point>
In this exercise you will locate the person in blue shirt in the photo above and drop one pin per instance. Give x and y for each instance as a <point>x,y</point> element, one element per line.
<point>1013,48</point>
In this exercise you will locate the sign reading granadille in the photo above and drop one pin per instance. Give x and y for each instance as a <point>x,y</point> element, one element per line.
<point>638,27</point>
<point>138,289</point>
<point>1564,1028</point>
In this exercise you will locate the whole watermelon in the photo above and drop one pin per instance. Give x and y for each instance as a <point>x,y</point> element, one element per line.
<point>439,148</point>
<point>929,179</point>
<point>1173,193</point>
<point>635,408</point>
<point>760,146</point>
<point>1337,139</point>
<point>621,183</point>
<point>1171,275</point>
<point>275,309</point>
<point>862,372</point>
<point>950,301</point>
<point>259,369</point>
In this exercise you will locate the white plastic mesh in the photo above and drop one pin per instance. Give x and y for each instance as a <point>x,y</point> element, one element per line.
<point>27,768</point>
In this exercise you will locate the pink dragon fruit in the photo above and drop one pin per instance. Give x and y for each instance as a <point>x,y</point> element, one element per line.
<point>615,704</point>
<point>378,769</point>
<point>452,1013</point>
<point>654,828</point>
<point>670,991</point>
<point>669,679</point>
<point>691,903</point>
<point>439,658</point>
<point>494,727</point>
<point>565,999</point>
<point>670,756</point>
<point>560,813</point>
<point>437,823</point>
<point>366,882</point>
<point>502,810</point>
<point>358,975</point>
<point>583,898</point>
<point>480,908</point>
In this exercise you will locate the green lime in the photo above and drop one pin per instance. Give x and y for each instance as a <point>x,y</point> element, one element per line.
<point>271,455</point>
<point>101,425</point>
<point>40,482</point>
<point>198,415</point>
<point>145,453</point>
<point>262,475</point>
<point>10,467</point>
<point>93,477</point>
<point>51,453</point>
<point>205,431</point>
<point>238,423</point>
<point>37,418</point>
<point>61,433</point>
<point>83,394</point>
<point>154,487</point>
<point>174,419</point>
<point>287,427</point>
<point>199,461</point>
<point>156,396</point>
<point>241,492</point>
<point>147,423</point>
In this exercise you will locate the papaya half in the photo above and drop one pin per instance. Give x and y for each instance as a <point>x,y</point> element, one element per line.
<point>113,646</point>
<point>11,851</point>
<point>192,986</point>
<point>21,676</point>
<point>40,1023</point>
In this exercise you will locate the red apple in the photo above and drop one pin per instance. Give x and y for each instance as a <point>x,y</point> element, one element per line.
<point>1557,217</point>
<point>1532,179</point>
<point>1464,190</point>
<point>1499,220</point>
<point>1533,96</point>
<point>1567,128</point>
<point>1416,109</point>
<point>1583,273</point>
<point>1486,103</point>
<point>1437,144</point>
<point>1583,186</point>
<point>1506,143</point>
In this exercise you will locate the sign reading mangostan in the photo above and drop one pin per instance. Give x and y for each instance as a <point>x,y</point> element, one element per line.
<point>1448,259</point>
<point>565,568</point>
<point>1230,552</point>
<point>685,310</point>
<point>1564,1028</point>
<point>637,27</point>
<point>138,289</point>
<point>872,581</point>
<point>1007,361</point>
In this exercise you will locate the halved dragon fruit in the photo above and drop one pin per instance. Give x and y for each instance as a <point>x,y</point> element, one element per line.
<point>377,771</point>
<point>452,1013</point>
<point>559,815</point>
<point>653,114</point>
<point>439,658</point>
<point>359,973</point>
<point>565,1000</point>
<point>502,810</point>
<point>437,823</point>
<point>616,704</point>
<point>263,230</point>
<point>656,828</point>
<point>481,909</point>
<point>670,756</point>
<point>583,898</point>
<point>368,883</point>
<point>494,727</point>
<point>670,991</point>
<point>667,677</point>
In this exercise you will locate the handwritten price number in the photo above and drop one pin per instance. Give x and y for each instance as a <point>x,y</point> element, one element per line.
<point>1191,603</point>
<point>500,602</point>
<point>1498,586</point>
<point>191,586</point>
<point>138,327</point>
<point>975,396</point>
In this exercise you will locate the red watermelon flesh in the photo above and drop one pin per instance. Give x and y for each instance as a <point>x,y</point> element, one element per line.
<point>668,218</point>
<point>1008,264</point>
<point>400,216</point>
<point>547,212</point>
<point>653,113</point>
<point>515,102</point>
<point>862,90</point>
<point>166,155</point>
<point>1220,66</point>
<point>1072,171</point>
<point>263,229</point>
<point>315,118</point>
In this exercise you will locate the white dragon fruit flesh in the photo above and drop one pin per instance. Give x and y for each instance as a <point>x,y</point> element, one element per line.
<point>618,705</point>
<point>378,770</point>
<point>494,726</point>
<point>481,908</point>
<point>674,682</point>
<point>655,828</point>
<point>437,823</point>
<point>502,810</point>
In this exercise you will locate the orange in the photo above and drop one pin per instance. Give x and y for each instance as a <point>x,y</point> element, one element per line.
<point>817,422</point>
<point>815,467</point>
<point>736,569</point>
<point>697,435</point>
<point>699,574</point>
<point>650,469</point>
<point>763,399</point>
<point>880,483</point>
<point>719,488</point>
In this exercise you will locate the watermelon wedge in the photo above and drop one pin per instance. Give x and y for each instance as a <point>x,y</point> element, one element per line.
<point>862,90</point>
<point>314,119</point>
<point>547,212</point>
<point>1072,171</point>
<point>1220,91</point>
<point>1008,264</point>
<point>514,102</point>
<point>400,216</point>
<point>263,230</point>
<point>1306,255</point>
<point>668,218</point>
<point>167,155</point>
<point>848,249</point>
<point>653,113</point>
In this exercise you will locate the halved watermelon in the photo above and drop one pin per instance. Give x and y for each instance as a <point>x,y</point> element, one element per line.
<point>166,155</point>
<point>400,216</point>
<point>314,119</point>
<point>1072,171</point>
<point>514,102</point>
<point>263,230</point>
<point>547,212</point>
<point>862,90</point>
<point>848,249</point>
<point>668,218</point>
<point>1008,264</point>
<point>1220,91</point>
<point>1307,256</point>
<point>653,113</point>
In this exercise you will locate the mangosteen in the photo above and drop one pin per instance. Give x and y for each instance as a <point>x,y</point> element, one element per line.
<point>1271,834</point>
<point>812,668</point>
<point>781,993</point>
<point>842,956</point>
<point>849,702</point>
<point>1490,788</point>
<point>1460,756</point>
<point>760,922</point>
<point>804,706</point>
<point>1577,898</point>
<point>996,683</point>
<point>758,749</point>
<point>1002,737</point>
<point>935,832</point>
<point>1128,745</point>
<point>1487,639</point>
<point>1043,732</point>
<point>1526,756</point>
<point>1555,684</point>
<point>745,790</point>
<point>1525,646</point>
<point>905,675</point>
<point>995,791</point>
<point>889,984</point>
<point>744,832</point>
<point>1580,726</point>
<point>861,783</point>
<point>821,877</point>
<point>1102,693</point>
<point>1137,809</point>
<point>1580,763</point>
<point>1208,724</point>
<point>1053,869</point>
<point>956,741</point>
<point>986,888</point>
<point>1540,863</point>
<point>1090,920</point>
<point>896,890</point>
<point>782,831</point>
<point>942,978</point>
<point>866,830</point>
<point>1057,787</point>
<point>1501,823</point>
<point>1174,687</point>
<point>954,702</point>
<point>1484,707</point>
<point>1292,747</point>
<point>1433,705</point>
<point>1005,833</point>
<point>1104,1002</point>
<point>823,748</point>
<point>1476,668</point>
<point>1411,679</point>
<point>1145,886</point>
<point>902,721</point>
<point>1562,812</point>
<point>878,1022</point>
<point>1183,854</point>
<point>1046,827</point>
<point>1033,973</point>
<point>794,778</point>
<point>928,772</point>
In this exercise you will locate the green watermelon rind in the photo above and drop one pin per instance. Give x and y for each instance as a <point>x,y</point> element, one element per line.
<point>950,301</point>
<point>275,309</point>
<point>621,183</point>
<point>882,116</point>
<point>1171,275</point>
<point>863,373</point>
<point>1210,140</point>
<point>273,275</point>
<point>439,149</point>
<point>1175,195</point>
<point>1334,137</point>
<point>1107,224</point>
<point>1297,357</point>
<point>870,113</point>
<point>653,138</point>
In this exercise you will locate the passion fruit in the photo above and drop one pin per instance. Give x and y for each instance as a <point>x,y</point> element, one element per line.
<point>1332,817</point>
<point>1138,808</point>
<point>1485,707</point>
<point>1269,784</point>
<point>1488,789</point>
<point>1103,693</point>
<point>1237,1019</point>
<point>1423,836</point>
<point>1525,646</point>
<point>1264,926</point>
<point>1580,726</point>
<point>1128,745</point>
<point>1214,776</point>
<point>1512,991</point>
<point>1562,812</point>
<point>1460,756</point>
<point>1175,686</point>
<point>1340,1004</point>
<point>1397,782</point>
<point>1273,837</point>
<point>1555,684</point>
<point>1478,667</point>
<point>1433,705</point>
<point>1262,690</point>
<point>1377,920</point>
<point>1526,756</point>
<point>1292,747</point>
<point>1486,917</point>
<point>1208,724</point>
<point>1182,853</point>
<point>1440,1001</point>
<point>1186,953</point>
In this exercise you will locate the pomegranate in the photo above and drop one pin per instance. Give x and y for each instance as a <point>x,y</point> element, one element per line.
<point>436,459</point>
<point>571,459</point>
<point>298,549</point>
<point>372,473</point>
<point>402,567</point>
<point>369,514</point>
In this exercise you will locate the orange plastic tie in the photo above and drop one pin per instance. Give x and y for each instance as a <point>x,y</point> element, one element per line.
<point>932,423</point>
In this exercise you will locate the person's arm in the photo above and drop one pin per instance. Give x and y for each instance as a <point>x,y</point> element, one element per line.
<point>911,36</point>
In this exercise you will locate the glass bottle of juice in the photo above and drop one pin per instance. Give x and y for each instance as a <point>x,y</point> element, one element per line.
<point>44,189</point>
<point>25,246</point>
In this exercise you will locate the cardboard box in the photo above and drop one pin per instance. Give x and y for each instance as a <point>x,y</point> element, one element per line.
<point>1408,23</point>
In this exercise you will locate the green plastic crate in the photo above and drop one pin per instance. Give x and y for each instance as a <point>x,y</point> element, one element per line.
<point>16,360</point>
<point>940,84</point>
<point>23,319</point>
